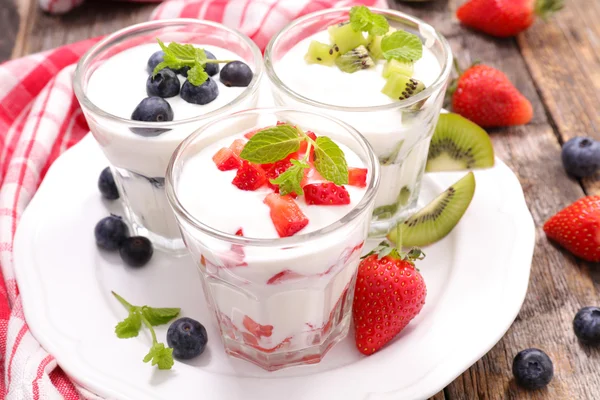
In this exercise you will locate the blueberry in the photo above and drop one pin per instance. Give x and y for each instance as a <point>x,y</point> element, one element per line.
<point>107,186</point>
<point>202,94</point>
<point>581,156</point>
<point>187,337</point>
<point>532,369</point>
<point>183,71</point>
<point>136,251</point>
<point>153,109</point>
<point>236,73</point>
<point>587,325</point>
<point>164,84</point>
<point>110,232</point>
<point>211,69</point>
<point>154,60</point>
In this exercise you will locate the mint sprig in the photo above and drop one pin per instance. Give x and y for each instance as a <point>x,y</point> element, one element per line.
<point>402,46</point>
<point>364,20</point>
<point>330,161</point>
<point>150,316</point>
<point>272,144</point>
<point>290,179</point>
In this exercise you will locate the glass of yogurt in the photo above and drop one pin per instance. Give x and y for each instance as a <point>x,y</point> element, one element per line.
<point>278,271</point>
<point>348,80</point>
<point>113,79</point>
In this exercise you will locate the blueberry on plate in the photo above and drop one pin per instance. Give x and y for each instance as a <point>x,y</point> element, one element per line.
<point>586,325</point>
<point>532,369</point>
<point>110,232</point>
<point>581,156</point>
<point>164,84</point>
<point>236,73</point>
<point>107,186</point>
<point>136,251</point>
<point>154,60</point>
<point>202,94</point>
<point>187,337</point>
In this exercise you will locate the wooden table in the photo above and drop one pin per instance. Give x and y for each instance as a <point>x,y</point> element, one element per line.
<point>556,65</point>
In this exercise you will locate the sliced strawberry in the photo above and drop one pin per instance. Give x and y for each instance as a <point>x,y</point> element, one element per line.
<point>237,146</point>
<point>249,135</point>
<point>285,275</point>
<point>274,170</point>
<point>249,176</point>
<point>357,177</point>
<point>304,144</point>
<point>313,175</point>
<point>285,214</point>
<point>326,194</point>
<point>256,329</point>
<point>226,159</point>
<point>253,342</point>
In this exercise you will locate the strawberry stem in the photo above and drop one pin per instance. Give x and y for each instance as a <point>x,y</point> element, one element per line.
<point>545,8</point>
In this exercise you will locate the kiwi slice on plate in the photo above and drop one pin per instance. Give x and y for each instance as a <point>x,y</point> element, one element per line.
<point>434,221</point>
<point>345,38</point>
<point>400,87</point>
<point>459,144</point>
<point>400,67</point>
<point>321,53</point>
<point>354,60</point>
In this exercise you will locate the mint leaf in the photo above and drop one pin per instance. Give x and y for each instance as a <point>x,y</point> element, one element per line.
<point>402,46</point>
<point>130,326</point>
<point>183,52</point>
<point>272,144</point>
<point>159,316</point>
<point>363,20</point>
<point>160,355</point>
<point>289,180</point>
<point>330,161</point>
<point>197,75</point>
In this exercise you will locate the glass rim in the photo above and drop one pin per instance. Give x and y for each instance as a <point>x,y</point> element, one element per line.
<point>360,208</point>
<point>108,41</point>
<point>402,104</point>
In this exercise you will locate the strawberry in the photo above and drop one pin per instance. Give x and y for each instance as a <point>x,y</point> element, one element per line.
<point>486,96</point>
<point>285,214</point>
<point>326,194</point>
<point>226,159</point>
<point>272,171</point>
<point>256,329</point>
<point>237,146</point>
<point>504,18</point>
<point>285,275</point>
<point>304,144</point>
<point>357,177</point>
<point>389,293</point>
<point>577,228</point>
<point>249,176</point>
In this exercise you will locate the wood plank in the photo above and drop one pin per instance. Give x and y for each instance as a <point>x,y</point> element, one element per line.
<point>439,396</point>
<point>9,21</point>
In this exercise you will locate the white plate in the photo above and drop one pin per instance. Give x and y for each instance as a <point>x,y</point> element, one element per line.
<point>476,279</point>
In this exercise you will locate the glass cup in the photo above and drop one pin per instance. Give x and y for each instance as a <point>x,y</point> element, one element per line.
<point>288,300</point>
<point>139,161</point>
<point>400,132</point>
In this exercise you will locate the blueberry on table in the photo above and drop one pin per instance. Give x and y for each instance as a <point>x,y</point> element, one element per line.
<point>236,73</point>
<point>154,60</point>
<point>153,109</point>
<point>210,68</point>
<point>110,232</point>
<point>581,156</point>
<point>107,186</point>
<point>202,94</point>
<point>164,84</point>
<point>587,325</point>
<point>136,251</point>
<point>187,337</point>
<point>532,369</point>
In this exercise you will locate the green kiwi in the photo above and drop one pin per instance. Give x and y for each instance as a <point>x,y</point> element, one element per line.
<point>374,44</point>
<point>459,144</point>
<point>400,87</point>
<point>354,60</point>
<point>321,53</point>
<point>345,38</point>
<point>400,67</point>
<point>434,221</point>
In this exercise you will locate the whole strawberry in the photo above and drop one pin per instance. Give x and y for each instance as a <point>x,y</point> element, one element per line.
<point>487,97</point>
<point>577,228</point>
<point>504,18</point>
<point>389,293</point>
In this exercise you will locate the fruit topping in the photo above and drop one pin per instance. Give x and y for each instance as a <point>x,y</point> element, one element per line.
<point>345,37</point>
<point>581,156</point>
<point>202,94</point>
<point>110,232</point>
<point>187,337</point>
<point>283,276</point>
<point>236,73</point>
<point>586,325</point>
<point>401,87</point>
<point>285,214</point>
<point>389,293</point>
<point>211,68</point>
<point>321,53</point>
<point>164,83</point>
<point>398,67</point>
<point>237,146</point>
<point>249,176</point>
<point>226,159</point>
<point>273,171</point>
<point>136,251</point>
<point>357,177</point>
<point>326,194</point>
<point>107,186</point>
<point>153,109</point>
<point>304,144</point>
<point>155,59</point>
<point>354,60</point>
<point>256,329</point>
<point>532,369</point>
<point>437,219</point>
<point>459,144</point>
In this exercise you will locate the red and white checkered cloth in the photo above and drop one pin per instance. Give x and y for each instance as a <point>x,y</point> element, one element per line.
<point>39,119</point>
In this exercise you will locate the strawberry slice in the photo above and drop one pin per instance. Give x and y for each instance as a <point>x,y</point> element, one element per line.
<point>274,170</point>
<point>256,329</point>
<point>304,144</point>
<point>226,159</point>
<point>249,176</point>
<point>285,275</point>
<point>285,214</point>
<point>357,177</point>
<point>326,194</point>
<point>237,146</point>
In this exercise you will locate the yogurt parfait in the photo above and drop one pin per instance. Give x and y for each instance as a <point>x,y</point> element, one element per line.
<point>146,88</point>
<point>381,71</point>
<point>275,215</point>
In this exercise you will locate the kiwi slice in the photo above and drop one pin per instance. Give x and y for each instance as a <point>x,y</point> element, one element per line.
<point>354,60</point>
<point>400,87</point>
<point>399,67</point>
<point>459,144</point>
<point>434,221</point>
<point>374,44</point>
<point>345,38</point>
<point>321,53</point>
